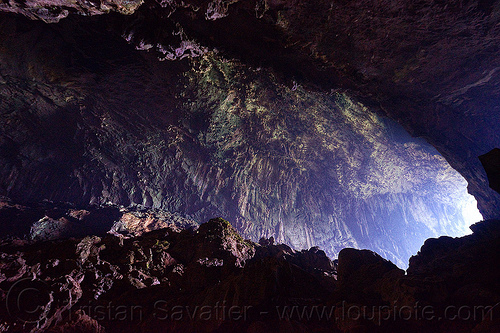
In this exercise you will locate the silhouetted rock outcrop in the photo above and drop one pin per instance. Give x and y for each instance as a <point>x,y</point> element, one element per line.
<point>491,164</point>
<point>466,267</point>
<point>365,275</point>
<point>211,280</point>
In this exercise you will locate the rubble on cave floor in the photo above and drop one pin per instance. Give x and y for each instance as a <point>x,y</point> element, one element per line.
<point>210,279</point>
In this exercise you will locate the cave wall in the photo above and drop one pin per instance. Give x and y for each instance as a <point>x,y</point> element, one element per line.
<point>88,119</point>
<point>430,65</point>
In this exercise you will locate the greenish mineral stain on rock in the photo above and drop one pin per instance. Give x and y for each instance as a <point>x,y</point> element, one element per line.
<point>319,169</point>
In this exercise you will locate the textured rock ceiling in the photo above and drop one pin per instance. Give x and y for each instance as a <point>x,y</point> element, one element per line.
<point>77,85</point>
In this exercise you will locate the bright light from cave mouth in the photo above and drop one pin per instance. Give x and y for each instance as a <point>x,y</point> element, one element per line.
<point>470,214</point>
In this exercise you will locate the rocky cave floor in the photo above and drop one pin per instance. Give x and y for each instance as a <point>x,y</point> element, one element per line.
<point>148,274</point>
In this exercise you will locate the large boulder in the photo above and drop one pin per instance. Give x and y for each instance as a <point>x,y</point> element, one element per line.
<point>364,276</point>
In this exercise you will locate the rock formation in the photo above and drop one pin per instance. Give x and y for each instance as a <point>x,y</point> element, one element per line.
<point>491,164</point>
<point>431,66</point>
<point>126,124</point>
<point>89,120</point>
<point>211,280</point>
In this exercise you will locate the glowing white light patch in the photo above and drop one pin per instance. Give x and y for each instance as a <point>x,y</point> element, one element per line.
<point>470,213</point>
